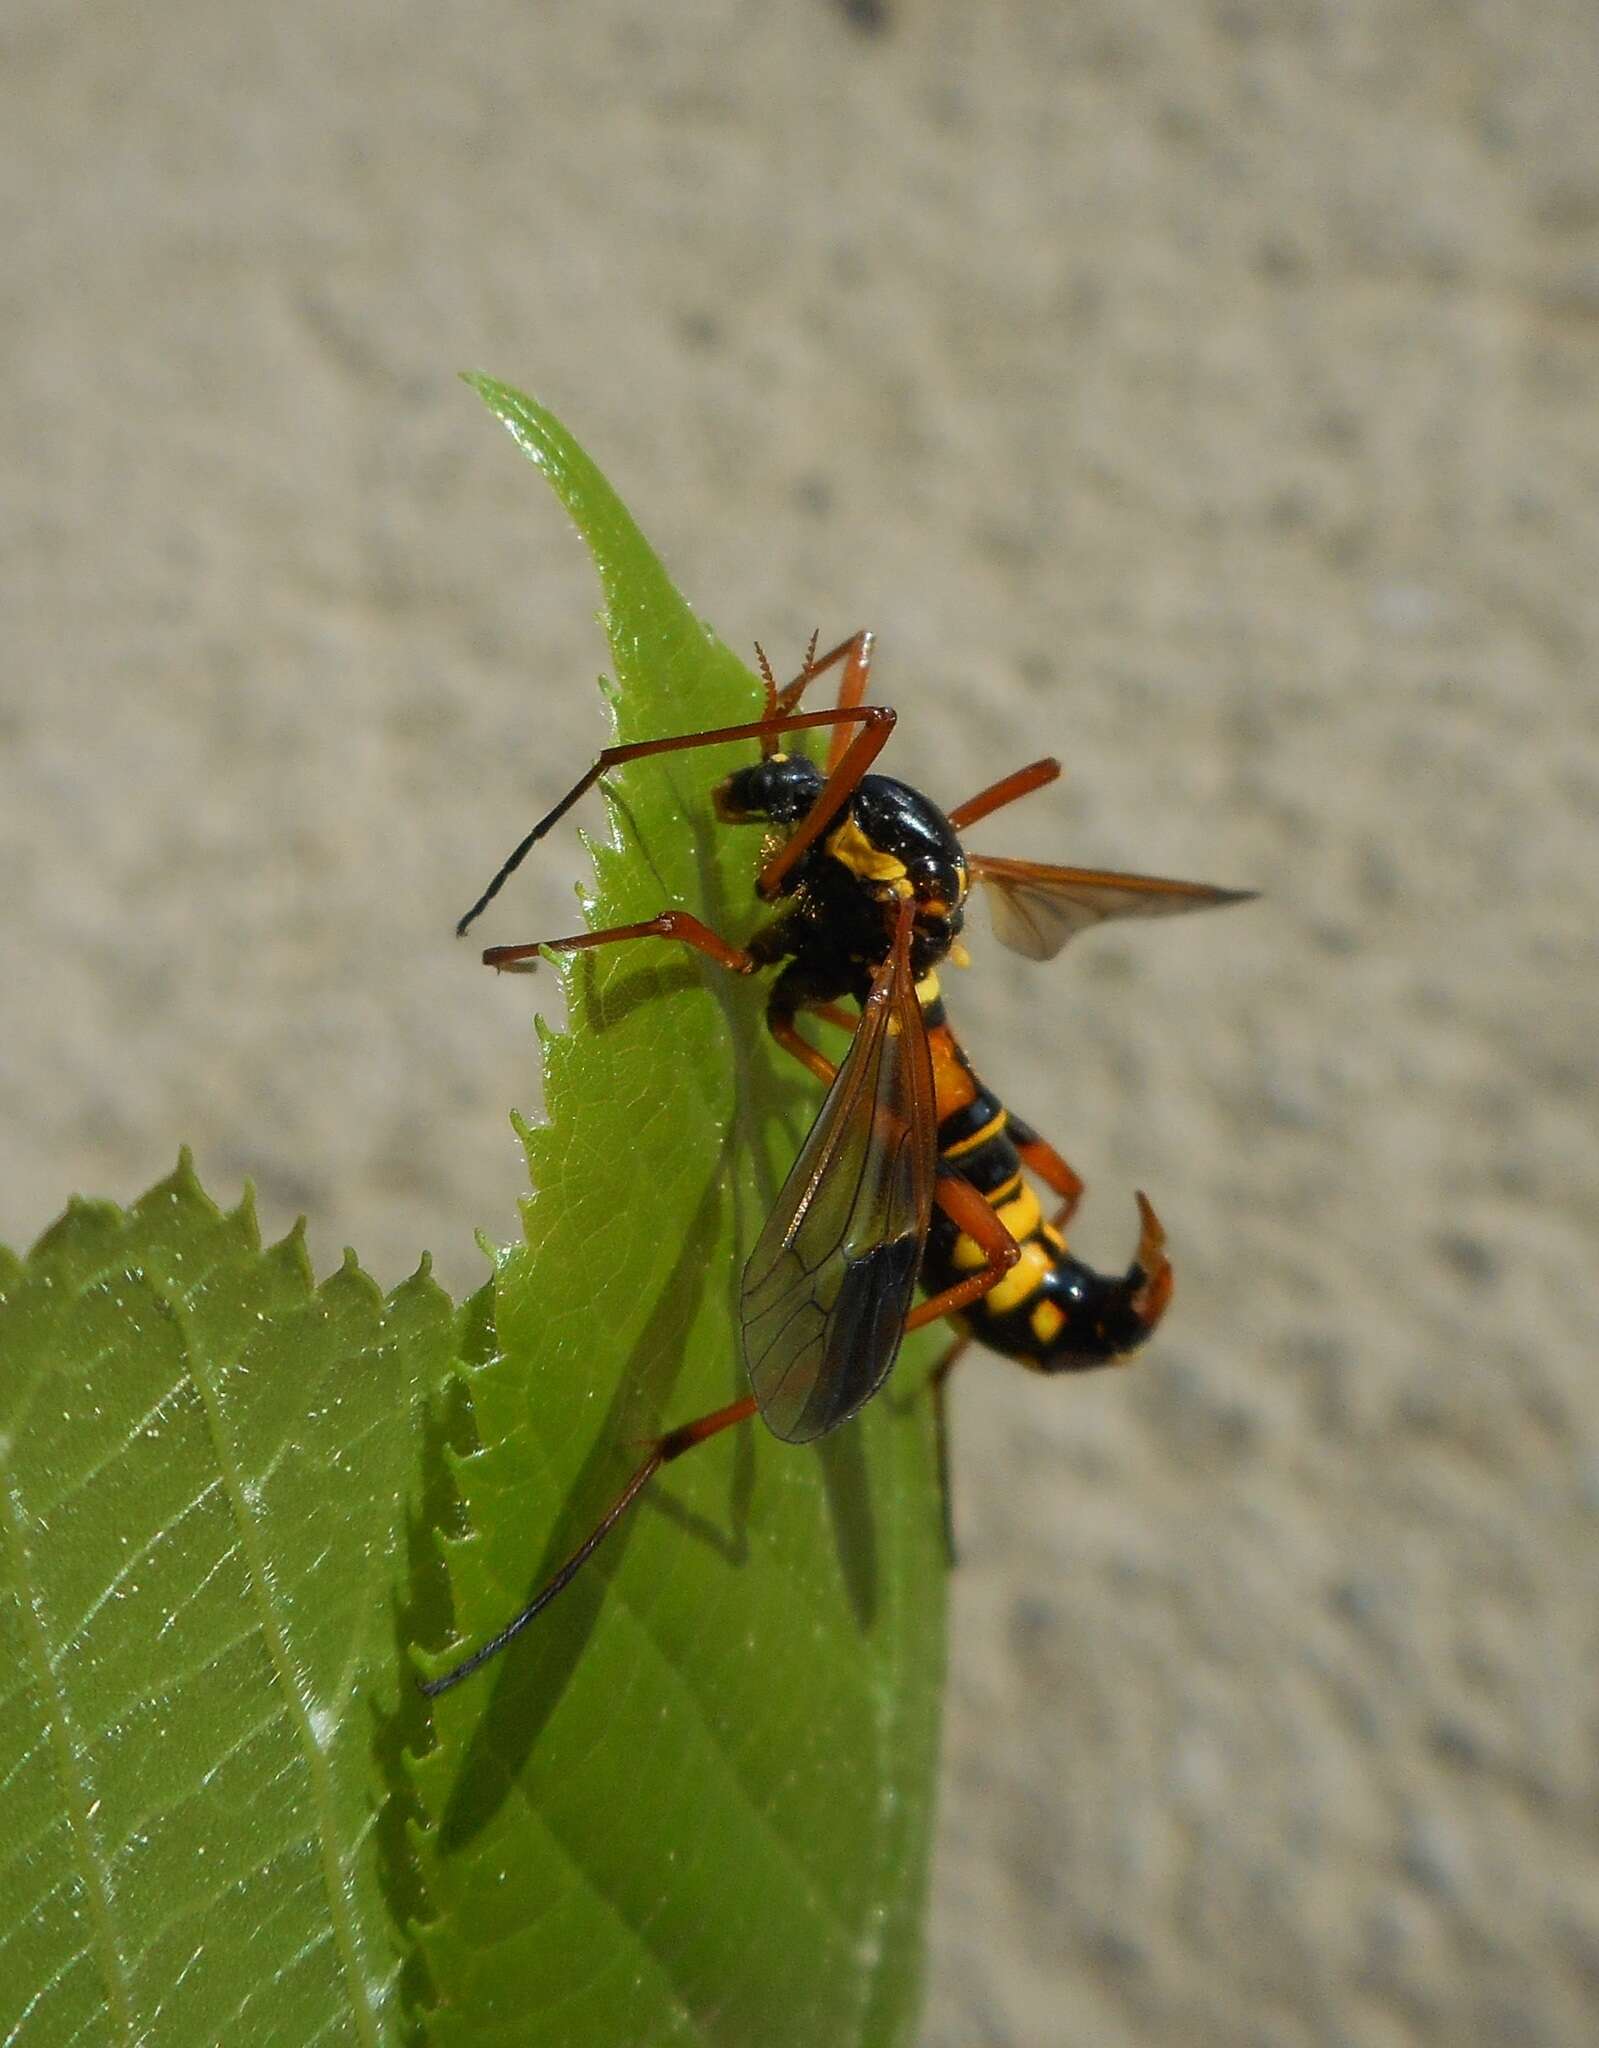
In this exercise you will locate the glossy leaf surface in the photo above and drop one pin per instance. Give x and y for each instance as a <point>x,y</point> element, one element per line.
<point>692,1803</point>
<point>207,1465</point>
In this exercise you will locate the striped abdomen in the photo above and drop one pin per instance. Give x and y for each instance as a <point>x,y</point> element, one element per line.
<point>1050,1311</point>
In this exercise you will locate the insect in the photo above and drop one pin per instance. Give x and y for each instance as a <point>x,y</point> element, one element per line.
<point>913,1170</point>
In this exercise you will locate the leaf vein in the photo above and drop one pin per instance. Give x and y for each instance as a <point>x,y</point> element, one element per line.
<point>69,1756</point>
<point>336,1878</point>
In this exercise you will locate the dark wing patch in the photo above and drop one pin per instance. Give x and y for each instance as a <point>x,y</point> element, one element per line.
<point>1036,909</point>
<point>829,1285</point>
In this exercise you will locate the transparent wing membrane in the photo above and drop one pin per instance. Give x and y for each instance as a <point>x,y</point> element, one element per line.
<point>829,1285</point>
<point>1035,909</point>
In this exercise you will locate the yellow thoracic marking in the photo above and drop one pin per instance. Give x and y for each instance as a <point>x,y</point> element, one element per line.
<point>958,955</point>
<point>991,1129</point>
<point>927,990</point>
<point>849,844</point>
<point>1046,1321</point>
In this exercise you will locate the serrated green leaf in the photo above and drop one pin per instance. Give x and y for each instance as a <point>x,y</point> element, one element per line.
<point>207,1469</point>
<point>695,1805</point>
<point>693,1802</point>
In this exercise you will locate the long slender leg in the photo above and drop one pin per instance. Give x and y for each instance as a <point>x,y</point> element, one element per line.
<point>876,721</point>
<point>669,924</point>
<point>966,1208</point>
<point>843,778</point>
<point>980,1223</point>
<point>1040,1157</point>
<point>1021,782</point>
<point>856,654</point>
<point>665,1448</point>
<point>961,1202</point>
<point>783,1028</point>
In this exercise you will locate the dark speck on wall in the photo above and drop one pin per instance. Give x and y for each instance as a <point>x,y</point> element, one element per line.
<point>871,17</point>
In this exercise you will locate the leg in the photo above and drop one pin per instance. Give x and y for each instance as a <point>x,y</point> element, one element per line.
<point>856,655</point>
<point>670,924</point>
<point>1022,783</point>
<point>783,1028</point>
<point>875,721</point>
<point>1040,1157</point>
<point>846,764</point>
<point>967,1210</point>
<point>961,1202</point>
<point>780,1022</point>
<point>662,1452</point>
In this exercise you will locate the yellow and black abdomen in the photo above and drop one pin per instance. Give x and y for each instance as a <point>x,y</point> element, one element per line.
<point>1050,1311</point>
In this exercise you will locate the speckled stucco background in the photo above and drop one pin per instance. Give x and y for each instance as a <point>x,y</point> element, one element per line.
<point>1206,393</point>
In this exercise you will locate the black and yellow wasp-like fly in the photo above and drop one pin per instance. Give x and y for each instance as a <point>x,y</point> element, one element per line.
<point>914,1170</point>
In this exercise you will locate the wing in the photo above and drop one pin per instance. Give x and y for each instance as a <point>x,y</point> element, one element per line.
<point>1036,909</point>
<point>828,1287</point>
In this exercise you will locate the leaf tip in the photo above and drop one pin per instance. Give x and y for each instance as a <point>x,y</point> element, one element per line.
<point>494,1253</point>
<point>180,1190</point>
<point>248,1221</point>
<point>183,1183</point>
<point>290,1252</point>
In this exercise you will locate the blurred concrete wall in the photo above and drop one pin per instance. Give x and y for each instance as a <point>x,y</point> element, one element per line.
<point>1205,393</point>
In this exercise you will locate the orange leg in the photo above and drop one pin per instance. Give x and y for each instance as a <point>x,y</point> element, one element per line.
<point>670,924</point>
<point>665,1448</point>
<point>856,655</point>
<point>1054,1172</point>
<point>875,721</point>
<point>845,768</point>
<point>1021,783</point>
<point>683,926</point>
<point>782,1027</point>
<point>961,1202</point>
<point>966,1208</point>
<point>1040,1157</point>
